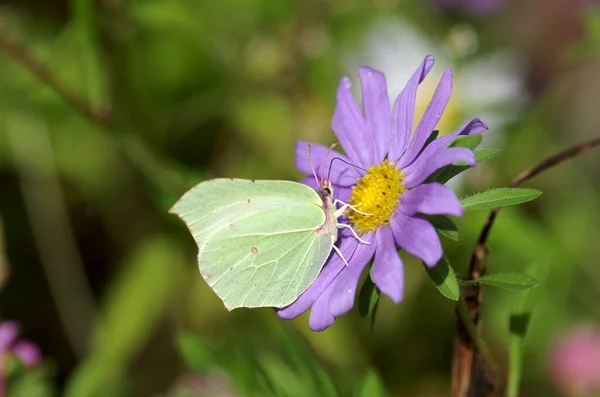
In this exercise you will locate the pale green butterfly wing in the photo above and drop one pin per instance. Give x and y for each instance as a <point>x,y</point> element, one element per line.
<point>260,243</point>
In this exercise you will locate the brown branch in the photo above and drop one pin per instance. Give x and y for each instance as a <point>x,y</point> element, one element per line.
<point>19,53</point>
<point>467,379</point>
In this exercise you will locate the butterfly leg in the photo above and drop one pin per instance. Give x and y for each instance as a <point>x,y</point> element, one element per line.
<point>340,254</point>
<point>345,206</point>
<point>346,226</point>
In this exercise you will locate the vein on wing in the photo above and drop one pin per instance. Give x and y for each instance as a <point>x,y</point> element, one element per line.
<point>227,271</point>
<point>220,249</point>
<point>282,201</point>
<point>226,222</point>
<point>245,285</point>
<point>298,269</point>
<point>273,234</point>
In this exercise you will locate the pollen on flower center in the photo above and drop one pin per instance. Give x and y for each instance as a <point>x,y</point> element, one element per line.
<point>377,194</point>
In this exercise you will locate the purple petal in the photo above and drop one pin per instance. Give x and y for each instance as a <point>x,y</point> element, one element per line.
<point>473,127</point>
<point>342,297</point>
<point>431,199</point>
<point>310,181</point>
<point>350,126</point>
<point>417,237</point>
<point>342,193</point>
<point>8,333</point>
<point>376,108</point>
<point>388,271</point>
<point>320,314</point>
<point>341,173</point>
<point>418,171</point>
<point>334,265</point>
<point>27,352</point>
<point>404,110</point>
<point>430,118</point>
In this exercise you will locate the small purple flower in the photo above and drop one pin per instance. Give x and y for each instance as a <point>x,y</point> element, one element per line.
<point>392,190</point>
<point>27,352</point>
<point>10,346</point>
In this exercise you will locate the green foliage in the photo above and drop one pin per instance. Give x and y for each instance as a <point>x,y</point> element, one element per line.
<point>520,317</point>
<point>135,304</point>
<point>34,382</point>
<point>443,277</point>
<point>468,141</point>
<point>443,225</point>
<point>368,299</point>
<point>448,172</point>
<point>291,372</point>
<point>371,386</point>
<point>512,281</point>
<point>194,353</point>
<point>499,198</point>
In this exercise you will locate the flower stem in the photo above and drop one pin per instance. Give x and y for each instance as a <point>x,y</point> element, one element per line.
<point>14,49</point>
<point>474,334</point>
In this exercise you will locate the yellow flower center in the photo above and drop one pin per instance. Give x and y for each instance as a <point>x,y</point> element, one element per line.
<point>376,194</point>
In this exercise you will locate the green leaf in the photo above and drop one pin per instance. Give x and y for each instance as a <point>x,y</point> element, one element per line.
<point>480,157</point>
<point>303,362</point>
<point>194,352</point>
<point>432,137</point>
<point>520,318</point>
<point>448,172</point>
<point>374,309</point>
<point>469,141</point>
<point>499,198</point>
<point>444,279</point>
<point>485,154</point>
<point>367,297</point>
<point>512,281</point>
<point>434,134</point>
<point>371,386</point>
<point>444,226</point>
<point>131,312</point>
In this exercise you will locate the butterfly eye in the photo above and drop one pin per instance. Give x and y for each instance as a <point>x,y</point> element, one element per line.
<point>328,191</point>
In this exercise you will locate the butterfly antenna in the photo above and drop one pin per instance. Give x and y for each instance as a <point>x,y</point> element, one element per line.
<point>311,165</point>
<point>343,161</point>
<point>325,162</point>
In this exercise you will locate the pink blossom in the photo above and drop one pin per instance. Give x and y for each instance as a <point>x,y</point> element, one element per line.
<point>574,361</point>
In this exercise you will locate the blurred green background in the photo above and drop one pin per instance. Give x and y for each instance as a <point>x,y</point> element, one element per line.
<point>105,281</point>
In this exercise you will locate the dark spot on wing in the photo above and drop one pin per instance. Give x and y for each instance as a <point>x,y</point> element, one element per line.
<point>254,250</point>
<point>252,180</point>
<point>383,193</point>
<point>231,179</point>
<point>248,201</point>
<point>232,227</point>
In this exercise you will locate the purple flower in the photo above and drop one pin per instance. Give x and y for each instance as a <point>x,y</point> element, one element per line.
<point>10,346</point>
<point>27,352</point>
<point>392,190</point>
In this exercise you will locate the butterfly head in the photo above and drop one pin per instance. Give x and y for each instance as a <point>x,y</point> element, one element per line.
<point>325,188</point>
